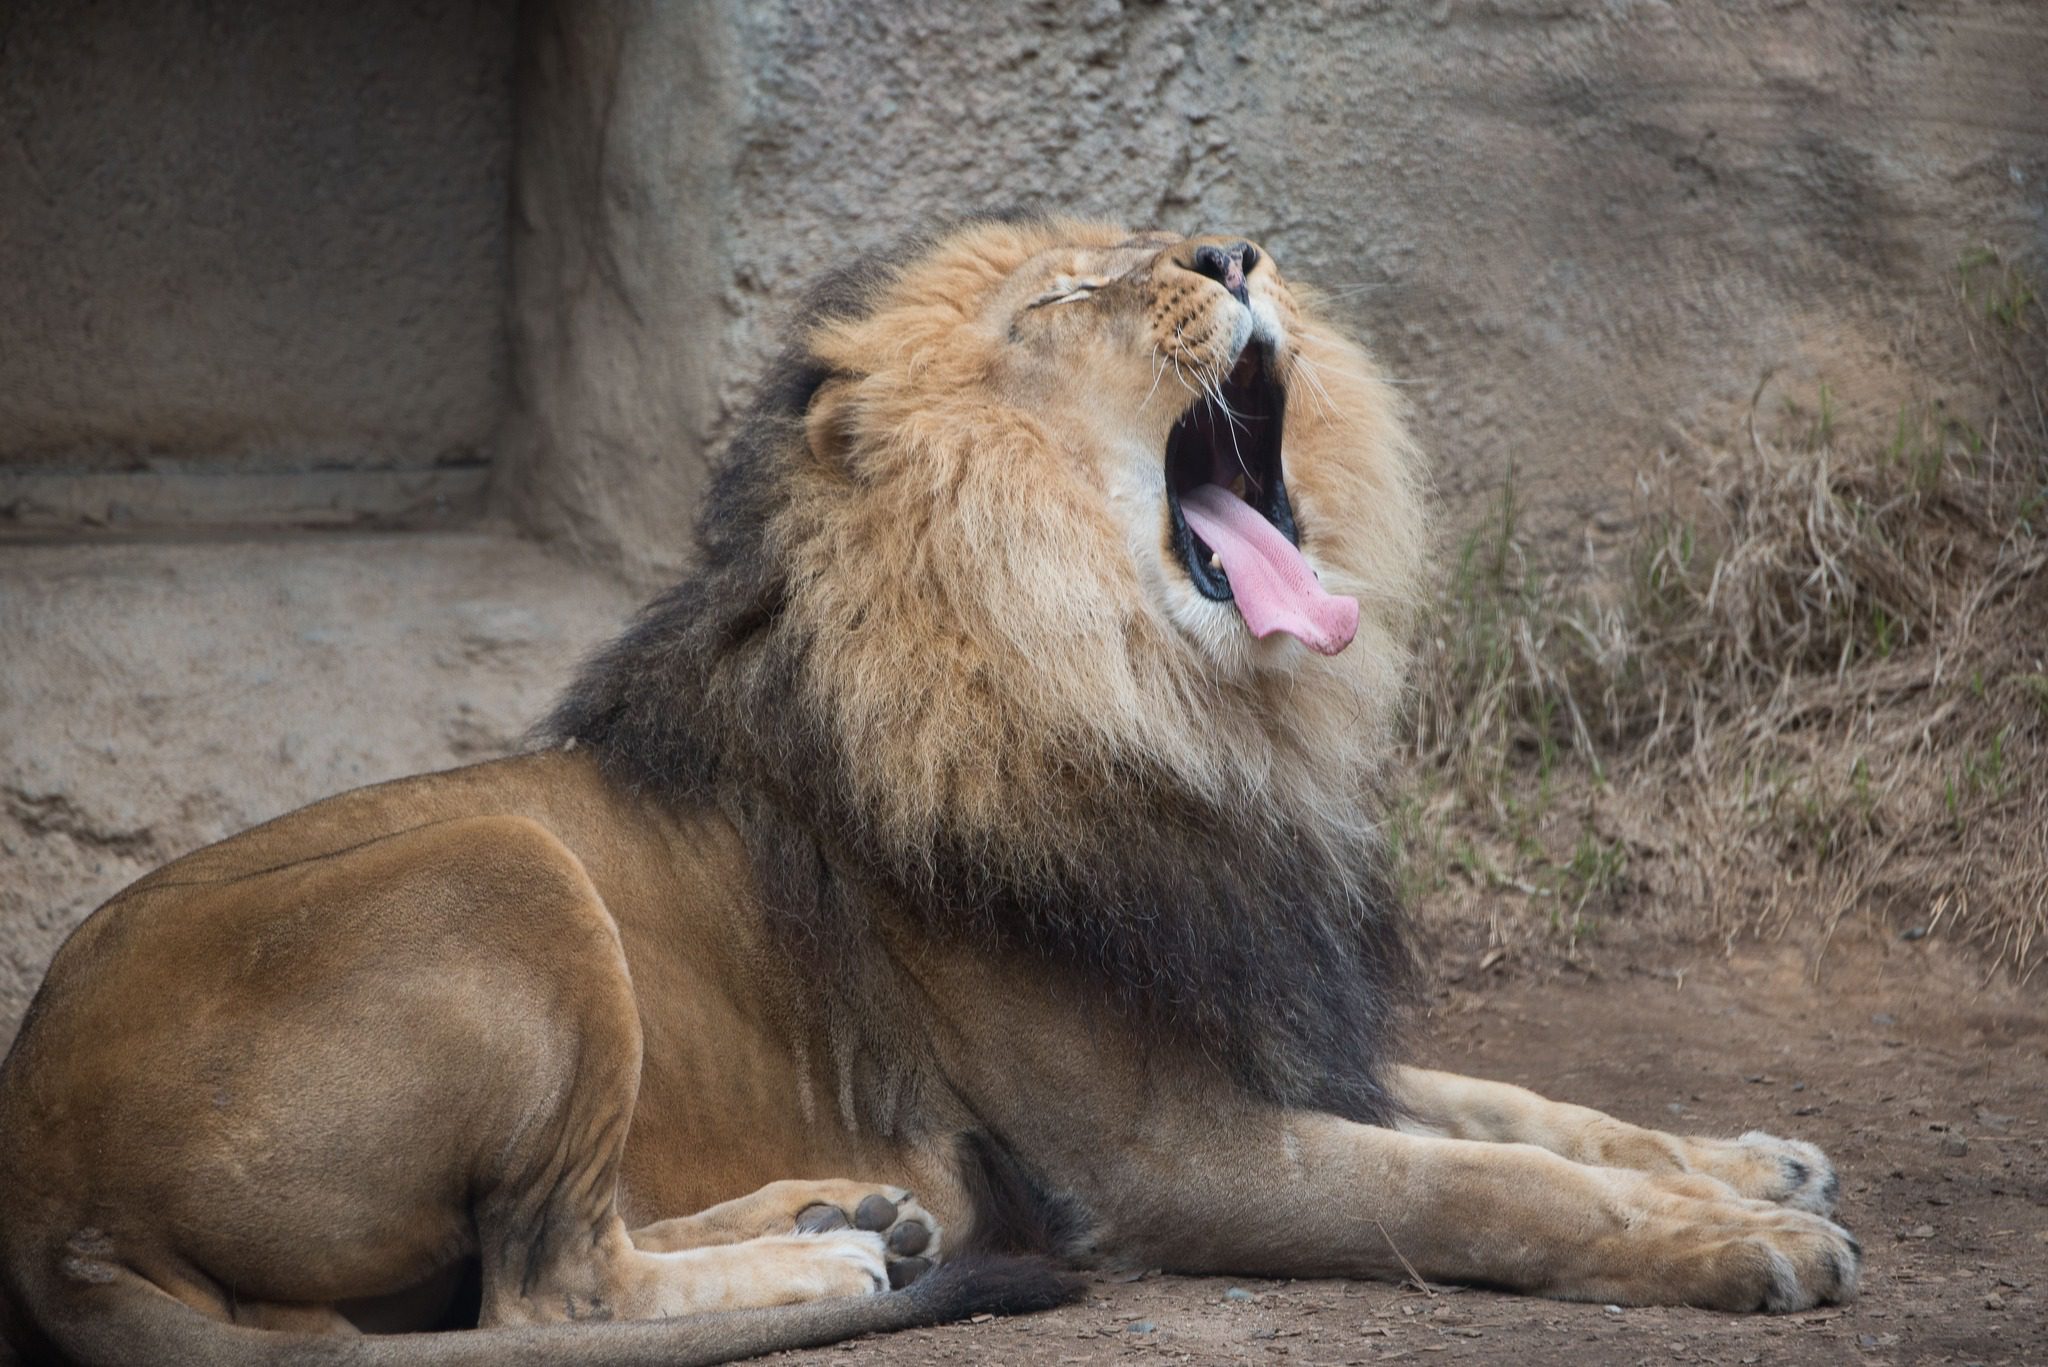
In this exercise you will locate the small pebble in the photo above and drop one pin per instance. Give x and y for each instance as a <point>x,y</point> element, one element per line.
<point>1140,1327</point>
<point>1614,1310</point>
<point>1994,1301</point>
<point>1954,1146</point>
<point>1238,1293</point>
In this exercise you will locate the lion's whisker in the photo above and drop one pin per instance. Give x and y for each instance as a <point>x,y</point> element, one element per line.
<point>1158,374</point>
<point>1315,383</point>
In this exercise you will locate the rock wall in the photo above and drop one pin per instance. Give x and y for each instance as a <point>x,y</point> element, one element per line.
<point>154,698</point>
<point>252,236</point>
<point>1576,230</point>
<point>622,255</point>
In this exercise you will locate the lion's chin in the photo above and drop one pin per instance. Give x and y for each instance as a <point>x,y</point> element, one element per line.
<point>1231,526</point>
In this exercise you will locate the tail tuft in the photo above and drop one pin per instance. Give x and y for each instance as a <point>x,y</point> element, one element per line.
<point>993,1284</point>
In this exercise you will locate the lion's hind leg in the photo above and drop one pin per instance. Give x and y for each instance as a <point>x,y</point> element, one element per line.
<point>551,1243</point>
<point>907,1230</point>
<point>1758,1166</point>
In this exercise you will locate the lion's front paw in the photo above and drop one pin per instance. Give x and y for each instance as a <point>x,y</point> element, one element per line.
<point>793,1268</point>
<point>1764,1167</point>
<point>1795,1263</point>
<point>847,1262</point>
<point>1805,1179</point>
<point>1722,1253</point>
<point>908,1231</point>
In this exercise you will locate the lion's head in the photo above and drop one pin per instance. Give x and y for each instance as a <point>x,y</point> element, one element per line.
<point>1060,589</point>
<point>1015,537</point>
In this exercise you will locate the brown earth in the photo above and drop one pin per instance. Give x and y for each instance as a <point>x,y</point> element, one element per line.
<point>1926,1085</point>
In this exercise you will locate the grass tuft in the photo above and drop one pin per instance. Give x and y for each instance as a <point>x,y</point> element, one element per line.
<point>1812,685</point>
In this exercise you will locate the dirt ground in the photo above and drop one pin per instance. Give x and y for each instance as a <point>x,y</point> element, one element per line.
<point>1927,1086</point>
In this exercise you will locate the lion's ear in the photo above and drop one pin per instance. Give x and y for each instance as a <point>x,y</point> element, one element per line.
<point>828,423</point>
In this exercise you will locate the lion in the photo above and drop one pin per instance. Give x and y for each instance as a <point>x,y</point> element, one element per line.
<point>974,857</point>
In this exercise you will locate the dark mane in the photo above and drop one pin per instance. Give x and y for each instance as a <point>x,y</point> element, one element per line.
<point>1266,947</point>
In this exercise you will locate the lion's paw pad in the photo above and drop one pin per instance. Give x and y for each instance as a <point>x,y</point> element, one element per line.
<point>909,1233</point>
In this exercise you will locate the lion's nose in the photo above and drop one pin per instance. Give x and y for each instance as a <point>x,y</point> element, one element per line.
<point>1227,266</point>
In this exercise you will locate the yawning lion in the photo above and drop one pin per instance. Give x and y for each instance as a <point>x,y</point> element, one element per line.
<point>990,817</point>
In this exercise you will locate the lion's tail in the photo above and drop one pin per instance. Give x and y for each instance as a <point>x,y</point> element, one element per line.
<point>129,1321</point>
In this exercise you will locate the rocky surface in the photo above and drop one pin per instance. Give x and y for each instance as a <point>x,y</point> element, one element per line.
<point>154,698</point>
<point>247,236</point>
<point>1577,231</point>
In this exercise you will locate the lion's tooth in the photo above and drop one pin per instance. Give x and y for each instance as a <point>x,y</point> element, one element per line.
<point>1237,486</point>
<point>1215,561</point>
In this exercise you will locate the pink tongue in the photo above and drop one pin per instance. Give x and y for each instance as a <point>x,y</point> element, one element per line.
<point>1274,587</point>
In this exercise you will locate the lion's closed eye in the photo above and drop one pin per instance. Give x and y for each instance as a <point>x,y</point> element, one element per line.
<point>1066,292</point>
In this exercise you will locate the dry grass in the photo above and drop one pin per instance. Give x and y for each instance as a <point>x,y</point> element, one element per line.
<point>1813,687</point>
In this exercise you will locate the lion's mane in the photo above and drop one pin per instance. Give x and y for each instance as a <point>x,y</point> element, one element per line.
<point>899,720</point>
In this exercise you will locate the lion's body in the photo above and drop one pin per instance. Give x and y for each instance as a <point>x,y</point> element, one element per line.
<point>718,1085</point>
<point>947,832</point>
<point>490,922</point>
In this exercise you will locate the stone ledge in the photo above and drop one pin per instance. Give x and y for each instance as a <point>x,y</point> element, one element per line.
<point>45,504</point>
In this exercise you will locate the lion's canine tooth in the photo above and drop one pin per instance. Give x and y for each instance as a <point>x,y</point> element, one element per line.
<point>1237,486</point>
<point>1215,561</point>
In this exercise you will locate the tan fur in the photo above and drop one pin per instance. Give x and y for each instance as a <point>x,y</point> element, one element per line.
<point>1008,474</point>
<point>529,1015</point>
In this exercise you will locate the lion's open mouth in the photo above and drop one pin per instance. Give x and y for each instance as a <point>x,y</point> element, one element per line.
<point>1231,524</point>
